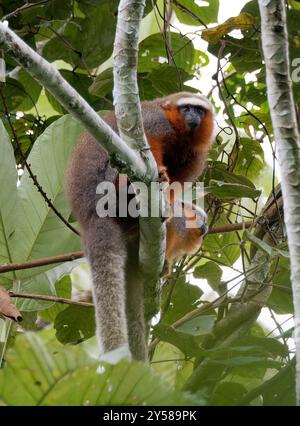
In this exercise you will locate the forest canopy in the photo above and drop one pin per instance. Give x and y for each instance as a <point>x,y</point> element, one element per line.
<point>224,331</point>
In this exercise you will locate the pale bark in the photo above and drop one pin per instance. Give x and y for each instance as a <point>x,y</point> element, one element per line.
<point>123,150</point>
<point>130,124</point>
<point>282,108</point>
<point>125,159</point>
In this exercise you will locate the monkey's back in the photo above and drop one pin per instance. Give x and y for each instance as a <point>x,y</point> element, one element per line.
<point>87,167</point>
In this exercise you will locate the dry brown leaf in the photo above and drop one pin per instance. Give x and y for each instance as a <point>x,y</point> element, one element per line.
<point>7,308</point>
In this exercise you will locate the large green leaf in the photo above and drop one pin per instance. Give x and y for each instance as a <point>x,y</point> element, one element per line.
<point>8,197</point>
<point>231,191</point>
<point>122,384</point>
<point>189,13</point>
<point>33,90</point>
<point>63,289</point>
<point>250,160</point>
<point>14,93</point>
<point>211,272</point>
<point>152,52</point>
<point>227,393</point>
<point>75,324</point>
<point>168,79</point>
<point>281,299</point>
<point>184,299</point>
<point>223,247</point>
<point>48,374</point>
<point>40,233</point>
<point>185,342</point>
<point>32,368</point>
<point>85,42</point>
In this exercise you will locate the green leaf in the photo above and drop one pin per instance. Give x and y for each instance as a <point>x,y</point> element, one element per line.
<point>38,373</point>
<point>227,393</point>
<point>198,326</point>
<point>187,11</point>
<point>231,190</point>
<point>219,172</point>
<point>29,82</point>
<point>295,4</point>
<point>8,198</point>
<point>265,345</point>
<point>29,321</point>
<point>243,22</point>
<point>211,272</point>
<point>266,248</point>
<point>187,343</point>
<point>239,361</point>
<point>223,247</point>
<point>85,42</point>
<point>250,160</point>
<point>168,79</point>
<point>103,83</point>
<point>14,93</point>
<point>63,289</point>
<point>33,368</point>
<point>55,104</point>
<point>152,52</point>
<point>280,390</point>
<point>97,36</point>
<point>59,47</point>
<point>184,299</point>
<point>75,324</point>
<point>122,384</point>
<point>281,299</point>
<point>250,346</point>
<point>175,373</point>
<point>40,233</point>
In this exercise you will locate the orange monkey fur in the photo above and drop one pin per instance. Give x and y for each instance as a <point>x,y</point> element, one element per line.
<point>184,234</point>
<point>179,129</point>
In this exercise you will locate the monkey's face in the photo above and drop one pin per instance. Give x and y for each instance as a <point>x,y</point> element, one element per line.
<point>193,110</point>
<point>192,115</point>
<point>187,112</point>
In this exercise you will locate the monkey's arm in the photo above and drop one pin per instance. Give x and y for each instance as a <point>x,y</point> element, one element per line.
<point>184,234</point>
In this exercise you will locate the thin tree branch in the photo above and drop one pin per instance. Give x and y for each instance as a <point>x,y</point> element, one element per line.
<point>230,227</point>
<point>50,299</point>
<point>22,8</point>
<point>68,257</point>
<point>189,12</point>
<point>131,129</point>
<point>123,157</point>
<point>230,117</point>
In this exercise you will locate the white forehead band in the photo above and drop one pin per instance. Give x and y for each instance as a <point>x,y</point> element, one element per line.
<point>198,100</point>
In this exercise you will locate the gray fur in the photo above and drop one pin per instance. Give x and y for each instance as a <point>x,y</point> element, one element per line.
<point>106,256</point>
<point>105,246</point>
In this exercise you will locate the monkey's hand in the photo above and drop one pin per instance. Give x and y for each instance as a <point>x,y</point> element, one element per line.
<point>163,175</point>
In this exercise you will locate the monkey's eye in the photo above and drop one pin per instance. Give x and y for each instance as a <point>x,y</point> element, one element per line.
<point>185,108</point>
<point>200,110</point>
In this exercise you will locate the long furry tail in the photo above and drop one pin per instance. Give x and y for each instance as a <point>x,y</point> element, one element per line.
<point>106,253</point>
<point>104,243</point>
<point>135,305</point>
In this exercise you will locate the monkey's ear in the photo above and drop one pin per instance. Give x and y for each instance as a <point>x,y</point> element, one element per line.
<point>166,105</point>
